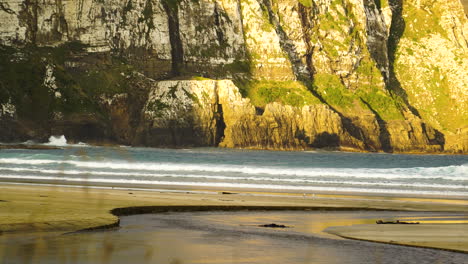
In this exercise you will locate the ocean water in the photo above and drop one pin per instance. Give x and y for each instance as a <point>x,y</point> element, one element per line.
<point>306,172</point>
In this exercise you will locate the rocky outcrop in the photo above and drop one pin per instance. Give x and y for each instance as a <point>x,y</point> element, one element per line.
<point>213,112</point>
<point>346,74</point>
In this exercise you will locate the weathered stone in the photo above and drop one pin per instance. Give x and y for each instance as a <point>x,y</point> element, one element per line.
<point>390,75</point>
<point>212,112</point>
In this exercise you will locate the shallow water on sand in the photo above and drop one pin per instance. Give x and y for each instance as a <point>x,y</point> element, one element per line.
<point>225,237</point>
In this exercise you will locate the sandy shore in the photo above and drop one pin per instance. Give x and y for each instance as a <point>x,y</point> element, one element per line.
<point>34,208</point>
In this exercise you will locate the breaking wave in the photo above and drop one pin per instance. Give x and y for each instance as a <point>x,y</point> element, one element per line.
<point>453,172</point>
<point>234,169</point>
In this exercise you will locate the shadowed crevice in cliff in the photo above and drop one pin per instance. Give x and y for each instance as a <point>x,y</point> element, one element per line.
<point>219,123</point>
<point>306,25</point>
<point>377,36</point>
<point>177,51</point>
<point>326,140</point>
<point>384,135</point>
<point>217,22</point>
<point>434,136</point>
<point>59,28</point>
<point>353,130</point>
<point>5,8</point>
<point>300,70</point>
<point>28,15</point>
<point>397,28</point>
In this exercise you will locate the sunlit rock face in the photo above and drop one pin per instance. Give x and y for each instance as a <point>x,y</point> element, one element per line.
<point>285,74</point>
<point>213,112</point>
<point>465,5</point>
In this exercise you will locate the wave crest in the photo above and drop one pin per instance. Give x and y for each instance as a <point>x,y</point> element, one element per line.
<point>453,172</point>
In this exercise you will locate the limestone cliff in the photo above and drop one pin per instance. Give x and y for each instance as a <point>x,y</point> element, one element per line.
<point>366,75</point>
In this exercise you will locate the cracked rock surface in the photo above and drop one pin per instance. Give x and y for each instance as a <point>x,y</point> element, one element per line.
<point>359,75</point>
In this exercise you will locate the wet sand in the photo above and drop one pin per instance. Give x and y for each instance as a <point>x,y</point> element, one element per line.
<point>34,208</point>
<point>223,238</point>
<point>443,236</point>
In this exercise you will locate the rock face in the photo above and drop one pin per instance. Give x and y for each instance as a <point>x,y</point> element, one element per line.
<point>283,74</point>
<point>213,112</point>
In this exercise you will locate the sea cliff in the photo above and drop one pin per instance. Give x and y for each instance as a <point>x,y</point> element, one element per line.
<point>359,75</point>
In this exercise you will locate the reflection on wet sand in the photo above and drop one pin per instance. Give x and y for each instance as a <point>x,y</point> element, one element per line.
<point>224,237</point>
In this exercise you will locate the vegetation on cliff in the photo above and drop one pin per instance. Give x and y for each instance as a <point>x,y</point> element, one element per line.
<point>390,74</point>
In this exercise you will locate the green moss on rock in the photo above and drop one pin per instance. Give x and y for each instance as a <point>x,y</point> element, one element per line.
<point>333,91</point>
<point>292,93</point>
<point>23,72</point>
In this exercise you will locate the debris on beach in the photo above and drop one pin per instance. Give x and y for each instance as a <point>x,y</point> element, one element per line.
<point>397,222</point>
<point>227,193</point>
<point>273,225</point>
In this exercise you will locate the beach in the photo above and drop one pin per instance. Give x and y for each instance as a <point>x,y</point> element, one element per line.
<point>124,200</point>
<point>234,132</point>
<point>35,208</point>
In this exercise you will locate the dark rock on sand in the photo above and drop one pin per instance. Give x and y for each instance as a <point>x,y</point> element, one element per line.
<point>273,225</point>
<point>397,222</point>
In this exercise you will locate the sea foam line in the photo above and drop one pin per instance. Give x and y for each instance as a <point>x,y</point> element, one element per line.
<point>231,178</point>
<point>244,185</point>
<point>454,172</point>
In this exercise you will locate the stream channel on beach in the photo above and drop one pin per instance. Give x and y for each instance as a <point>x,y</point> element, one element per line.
<point>226,237</point>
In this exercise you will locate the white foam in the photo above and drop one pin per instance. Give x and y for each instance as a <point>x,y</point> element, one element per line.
<point>128,176</point>
<point>27,161</point>
<point>240,185</point>
<point>57,141</point>
<point>454,172</point>
<point>30,142</point>
<point>61,141</point>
